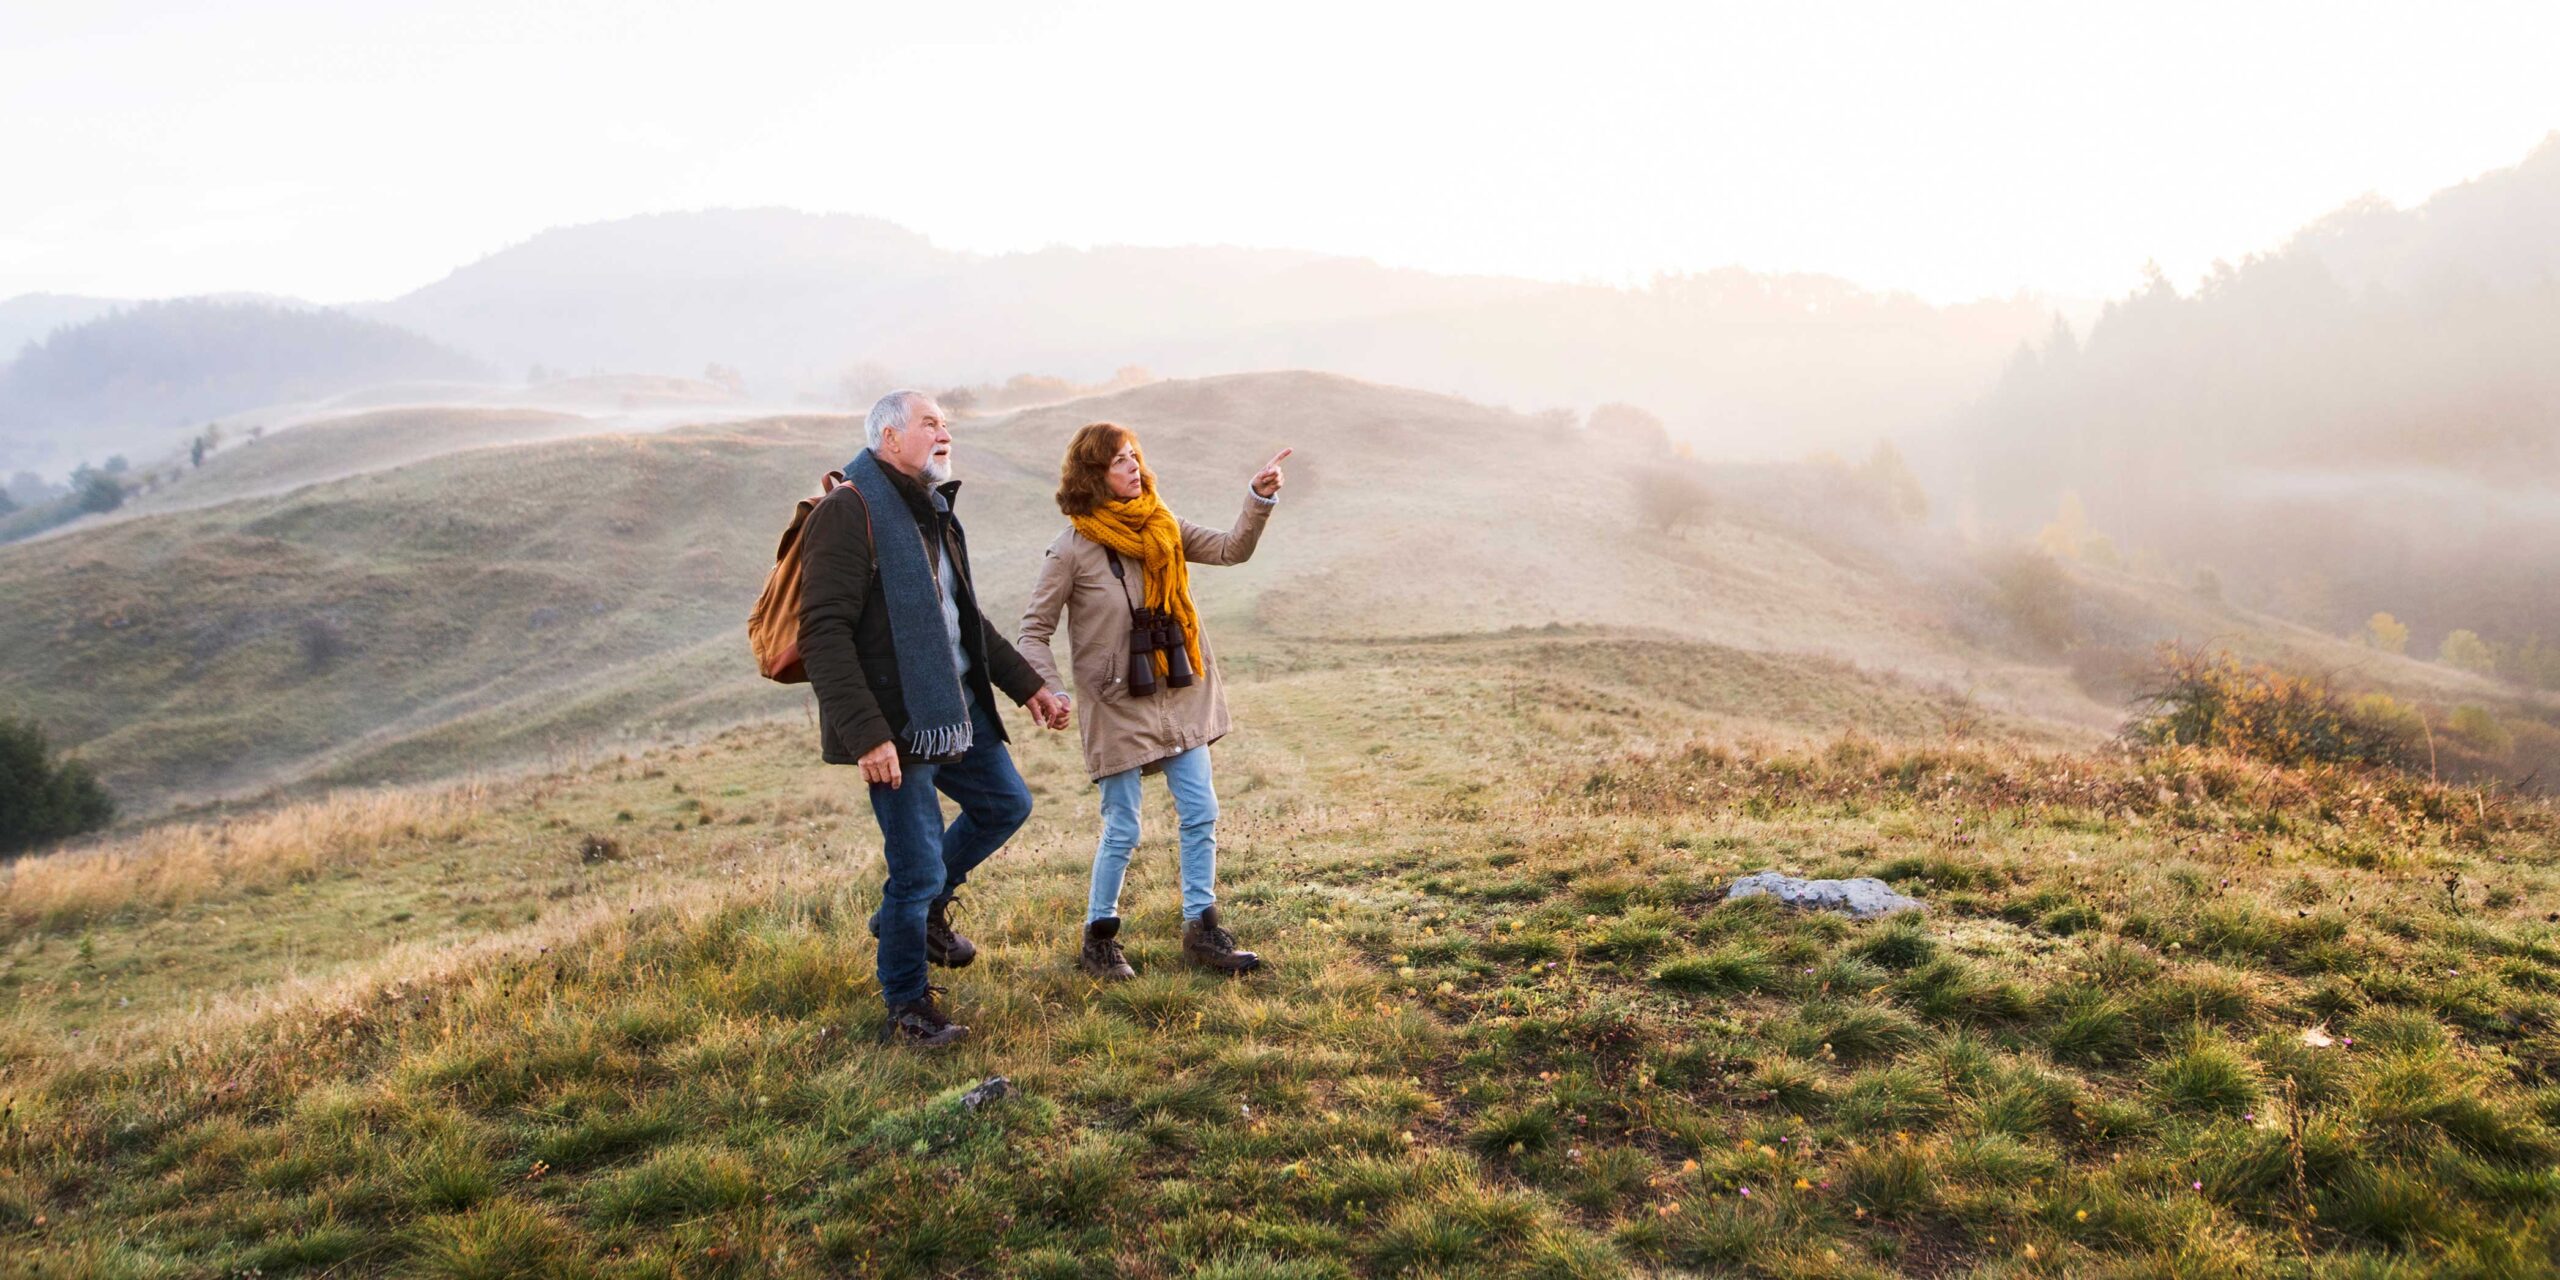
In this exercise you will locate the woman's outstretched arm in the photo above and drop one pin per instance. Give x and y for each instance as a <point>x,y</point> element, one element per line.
<point>1235,546</point>
<point>1040,619</point>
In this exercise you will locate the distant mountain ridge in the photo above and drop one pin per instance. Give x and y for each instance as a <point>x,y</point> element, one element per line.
<point>30,317</point>
<point>808,304</point>
<point>137,378</point>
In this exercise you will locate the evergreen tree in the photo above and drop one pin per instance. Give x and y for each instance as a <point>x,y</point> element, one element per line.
<point>43,800</point>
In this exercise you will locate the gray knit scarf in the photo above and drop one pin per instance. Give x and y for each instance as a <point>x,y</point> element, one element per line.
<point>937,707</point>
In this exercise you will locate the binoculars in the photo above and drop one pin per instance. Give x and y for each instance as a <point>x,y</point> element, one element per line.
<point>1153,631</point>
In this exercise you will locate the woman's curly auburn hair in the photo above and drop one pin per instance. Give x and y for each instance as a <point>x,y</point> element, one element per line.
<point>1084,477</point>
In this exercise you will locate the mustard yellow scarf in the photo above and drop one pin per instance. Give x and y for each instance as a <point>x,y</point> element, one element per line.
<point>1141,529</point>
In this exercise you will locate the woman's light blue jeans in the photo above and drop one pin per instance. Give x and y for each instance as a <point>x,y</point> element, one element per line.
<point>1195,804</point>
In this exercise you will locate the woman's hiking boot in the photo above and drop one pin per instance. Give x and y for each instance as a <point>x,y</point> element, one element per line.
<point>1101,955</point>
<point>942,945</point>
<point>1207,944</point>
<point>922,1023</point>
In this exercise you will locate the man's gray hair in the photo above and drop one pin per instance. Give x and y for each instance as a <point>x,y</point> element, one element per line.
<point>890,411</point>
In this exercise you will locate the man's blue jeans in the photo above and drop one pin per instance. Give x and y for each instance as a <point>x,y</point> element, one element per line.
<point>1195,804</point>
<point>928,860</point>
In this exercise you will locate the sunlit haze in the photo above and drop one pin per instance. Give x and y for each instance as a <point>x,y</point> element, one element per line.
<point>342,153</point>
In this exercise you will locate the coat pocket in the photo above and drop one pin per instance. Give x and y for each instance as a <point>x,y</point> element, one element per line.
<point>886,691</point>
<point>1105,676</point>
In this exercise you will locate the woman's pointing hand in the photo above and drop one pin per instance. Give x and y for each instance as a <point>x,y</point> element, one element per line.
<point>1266,482</point>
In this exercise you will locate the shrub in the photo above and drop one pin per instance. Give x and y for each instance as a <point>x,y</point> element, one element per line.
<point>2390,715</point>
<point>2537,663</point>
<point>95,491</point>
<point>1669,496</point>
<point>1637,431</point>
<point>2387,633</point>
<point>2034,595</point>
<point>2481,731</point>
<point>2465,649</point>
<point>43,800</point>
<point>323,643</point>
<point>2212,700</point>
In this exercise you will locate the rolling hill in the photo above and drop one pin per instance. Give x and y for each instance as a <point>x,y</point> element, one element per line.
<point>508,604</point>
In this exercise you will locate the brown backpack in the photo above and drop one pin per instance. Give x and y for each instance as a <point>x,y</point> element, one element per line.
<point>773,627</point>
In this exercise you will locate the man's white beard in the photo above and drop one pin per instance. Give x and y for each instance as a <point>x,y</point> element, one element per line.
<point>937,471</point>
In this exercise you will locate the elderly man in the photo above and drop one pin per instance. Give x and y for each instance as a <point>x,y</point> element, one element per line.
<point>905,668</point>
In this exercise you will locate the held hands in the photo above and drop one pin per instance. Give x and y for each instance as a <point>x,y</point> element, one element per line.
<point>880,765</point>
<point>1266,482</point>
<point>1049,710</point>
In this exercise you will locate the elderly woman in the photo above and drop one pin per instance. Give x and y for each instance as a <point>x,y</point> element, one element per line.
<point>1121,575</point>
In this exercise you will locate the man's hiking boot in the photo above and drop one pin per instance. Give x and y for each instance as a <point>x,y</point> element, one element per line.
<point>1101,956</point>
<point>1208,945</point>
<point>942,946</point>
<point>920,1022</point>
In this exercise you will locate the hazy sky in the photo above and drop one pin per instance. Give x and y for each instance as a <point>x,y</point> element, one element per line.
<point>344,151</point>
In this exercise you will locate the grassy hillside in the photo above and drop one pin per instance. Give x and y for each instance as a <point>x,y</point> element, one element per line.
<point>2182,1016</point>
<point>204,651</point>
<point>336,448</point>
<point>494,607</point>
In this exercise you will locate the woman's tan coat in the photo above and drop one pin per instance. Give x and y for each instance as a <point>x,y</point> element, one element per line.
<point>1120,732</point>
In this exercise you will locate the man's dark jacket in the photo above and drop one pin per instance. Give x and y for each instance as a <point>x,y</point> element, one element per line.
<point>844,621</point>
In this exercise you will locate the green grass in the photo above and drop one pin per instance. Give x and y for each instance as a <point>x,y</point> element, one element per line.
<point>1522,1036</point>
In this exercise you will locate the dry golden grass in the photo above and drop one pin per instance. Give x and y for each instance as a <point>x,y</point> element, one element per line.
<point>2167,1015</point>
<point>168,867</point>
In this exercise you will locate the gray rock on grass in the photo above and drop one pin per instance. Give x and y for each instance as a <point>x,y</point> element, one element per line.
<point>1864,898</point>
